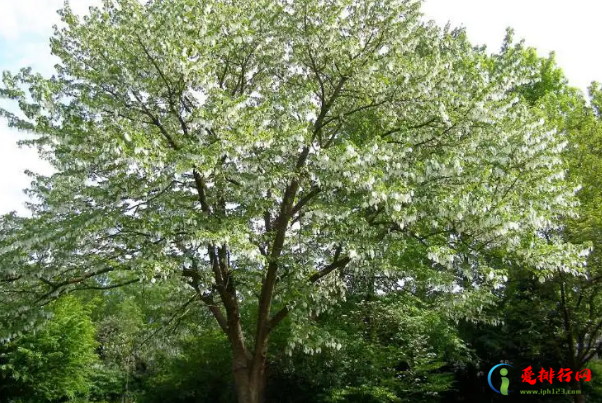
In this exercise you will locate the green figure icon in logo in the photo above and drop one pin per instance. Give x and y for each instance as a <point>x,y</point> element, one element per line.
<point>505,381</point>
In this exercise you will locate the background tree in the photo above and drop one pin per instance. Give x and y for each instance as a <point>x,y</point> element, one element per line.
<point>556,319</point>
<point>54,363</point>
<point>578,300</point>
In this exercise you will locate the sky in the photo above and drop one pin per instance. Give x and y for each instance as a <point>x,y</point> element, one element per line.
<point>570,29</point>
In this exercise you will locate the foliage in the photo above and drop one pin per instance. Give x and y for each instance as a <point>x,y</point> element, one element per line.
<point>198,372</point>
<point>593,390</point>
<point>393,348</point>
<point>55,362</point>
<point>556,319</point>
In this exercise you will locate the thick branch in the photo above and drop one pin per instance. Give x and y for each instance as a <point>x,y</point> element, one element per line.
<point>108,287</point>
<point>589,349</point>
<point>56,286</point>
<point>567,323</point>
<point>281,225</point>
<point>304,200</point>
<point>337,264</point>
<point>200,187</point>
<point>207,299</point>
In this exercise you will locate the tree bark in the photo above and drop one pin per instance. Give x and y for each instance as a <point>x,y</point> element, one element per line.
<point>250,384</point>
<point>576,386</point>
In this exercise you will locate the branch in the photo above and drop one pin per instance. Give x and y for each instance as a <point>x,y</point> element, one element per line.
<point>217,313</point>
<point>269,281</point>
<point>329,269</point>
<point>156,122</point>
<point>109,287</point>
<point>173,317</point>
<point>181,97</point>
<point>304,200</point>
<point>281,225</point>
<point>207,299</point>
<point>336,264</point>
<point>418,126</point>
<point>77,279</point>
<point>327,106</point>
<point>567,323</point>
<point>589,350</point>
<point>200,186</point>
<point>154,63</point>
<point>56,286</point>
<point>10,279</point>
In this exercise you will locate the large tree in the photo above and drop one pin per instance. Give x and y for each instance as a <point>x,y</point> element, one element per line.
<point>250,150</point>
<point>572,305</point>
<point>557,321</point>
<point>578,300</point>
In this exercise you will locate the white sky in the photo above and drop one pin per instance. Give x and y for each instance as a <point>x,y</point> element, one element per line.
<point>571,29</point>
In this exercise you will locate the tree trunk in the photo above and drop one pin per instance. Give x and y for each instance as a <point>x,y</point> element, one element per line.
<point>576,386</point>
<point>246,392</point>
<point>250,386</point>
